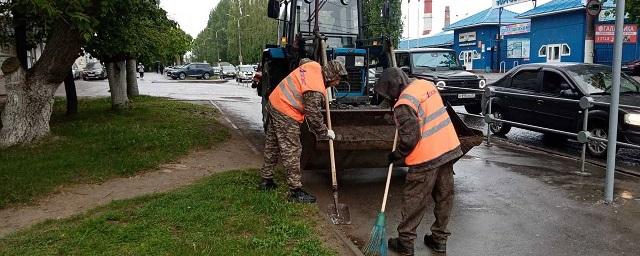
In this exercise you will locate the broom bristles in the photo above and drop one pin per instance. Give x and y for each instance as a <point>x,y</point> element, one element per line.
<point>377,244</point>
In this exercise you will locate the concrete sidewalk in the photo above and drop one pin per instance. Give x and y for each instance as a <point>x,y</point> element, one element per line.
<point>509,201</point>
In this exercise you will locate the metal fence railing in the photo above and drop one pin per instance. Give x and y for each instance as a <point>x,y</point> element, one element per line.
<point>583,137</point>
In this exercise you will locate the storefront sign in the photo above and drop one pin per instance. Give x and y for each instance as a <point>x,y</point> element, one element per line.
<point>514,29</point>
<point>467,37</point>
<point>518,48</point>
<point>605,33</point>
<point>505,3</point>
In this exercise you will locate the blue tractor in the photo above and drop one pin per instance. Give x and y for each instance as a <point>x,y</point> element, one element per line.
<point>333,29</point>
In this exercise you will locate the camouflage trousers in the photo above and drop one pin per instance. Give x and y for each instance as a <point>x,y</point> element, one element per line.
<point>419,186</point>
<point>282,141</point>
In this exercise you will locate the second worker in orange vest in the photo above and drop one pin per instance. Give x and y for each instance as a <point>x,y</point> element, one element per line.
<point>298,97</point>
<point>429,144</point>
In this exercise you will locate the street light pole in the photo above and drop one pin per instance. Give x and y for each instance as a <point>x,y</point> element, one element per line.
<point>217,41</point>
<point>239,43</point>
<point>239,39</point>
<point>615,101</point>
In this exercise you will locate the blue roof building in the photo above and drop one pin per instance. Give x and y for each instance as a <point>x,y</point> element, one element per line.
<point>487,17</point>
<point>558,31</point>
<point>475,38</point>
<point>440,40</point>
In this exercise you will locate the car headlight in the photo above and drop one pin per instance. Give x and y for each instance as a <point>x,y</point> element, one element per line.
<point>482,84</point>
<point>441,84</point>
<point>632,119</point>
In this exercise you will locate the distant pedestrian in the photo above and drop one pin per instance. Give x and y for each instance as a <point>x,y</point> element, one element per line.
<point>141,70</point>
<point>429,145</point>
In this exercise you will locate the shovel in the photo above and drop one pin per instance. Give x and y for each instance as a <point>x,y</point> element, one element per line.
<point>338,213</point>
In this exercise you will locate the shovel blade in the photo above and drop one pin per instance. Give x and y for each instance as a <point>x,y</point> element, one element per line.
<point>340,215</point>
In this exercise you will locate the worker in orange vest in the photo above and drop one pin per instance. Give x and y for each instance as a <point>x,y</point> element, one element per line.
<point>298,97</point>
<point>429,145</point>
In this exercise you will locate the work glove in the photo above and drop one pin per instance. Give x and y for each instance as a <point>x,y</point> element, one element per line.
<point>331,134</point>
<point>394,156</point>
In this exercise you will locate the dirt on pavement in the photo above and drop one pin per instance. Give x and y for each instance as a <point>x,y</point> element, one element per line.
<point>74,199</point>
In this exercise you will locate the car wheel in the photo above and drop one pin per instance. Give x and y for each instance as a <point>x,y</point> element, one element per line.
<point>183,76</point>
<point>206,76</point>
<point>594,147</point>
<point>499,128</point>
<point>473,109</point>
<point>85,78</point>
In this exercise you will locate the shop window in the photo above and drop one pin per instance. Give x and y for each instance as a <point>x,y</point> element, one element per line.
<point>476,55</point>
<point>461,56</point>
<point>566,50</point>
<point>543,51</point>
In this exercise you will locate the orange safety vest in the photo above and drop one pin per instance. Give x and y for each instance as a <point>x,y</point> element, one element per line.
<point>287,96</point>
<point>438,134</point>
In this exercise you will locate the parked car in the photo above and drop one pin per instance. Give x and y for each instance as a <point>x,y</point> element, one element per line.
<point>197,70</point>
<point>94,70</point>
<point>228,72</point>
<point>441,66</point>
<point>632,68</point>
<point>244,73</point>
<point>565,81</point>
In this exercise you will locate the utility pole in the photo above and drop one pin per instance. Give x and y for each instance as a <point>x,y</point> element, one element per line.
<point>239,39</point>
<point>217,41</point>
<point>615,101</point>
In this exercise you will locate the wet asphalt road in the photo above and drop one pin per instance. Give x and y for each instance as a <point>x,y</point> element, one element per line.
<point>509,200</point>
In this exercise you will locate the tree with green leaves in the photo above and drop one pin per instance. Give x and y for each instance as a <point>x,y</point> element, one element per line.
<point>129,31</point>
<point>377,25</point>
<point>219,40</point>
<point>64,25</point>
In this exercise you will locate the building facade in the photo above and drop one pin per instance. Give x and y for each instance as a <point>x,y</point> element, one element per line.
<point>551,32</point>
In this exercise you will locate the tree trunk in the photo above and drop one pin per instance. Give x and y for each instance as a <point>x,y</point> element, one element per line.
<point>27,111</point>
<point>132,82</point>
<point>72,96</point>
<point>117,73</point>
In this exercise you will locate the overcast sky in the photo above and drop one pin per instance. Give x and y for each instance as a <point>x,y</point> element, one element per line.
<point>192,15</point>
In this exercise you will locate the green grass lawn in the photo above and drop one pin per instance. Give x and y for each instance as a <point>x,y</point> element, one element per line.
<point>223,215</point>
<point>98,144</point>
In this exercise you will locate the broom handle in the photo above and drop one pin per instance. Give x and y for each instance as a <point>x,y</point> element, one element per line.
<point>386,188</point>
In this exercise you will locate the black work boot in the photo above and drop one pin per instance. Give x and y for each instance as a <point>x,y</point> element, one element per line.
<point>267,184</point>
<point>397,246</point>
<point>434,245</point>
<point>300,196</point>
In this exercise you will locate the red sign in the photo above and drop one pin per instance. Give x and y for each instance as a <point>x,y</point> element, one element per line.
<point>605,34</point>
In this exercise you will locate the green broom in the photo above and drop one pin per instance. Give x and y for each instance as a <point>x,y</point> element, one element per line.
<point>377,244</point>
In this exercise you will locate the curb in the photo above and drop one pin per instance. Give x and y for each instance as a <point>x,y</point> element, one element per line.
<point>346,241</point>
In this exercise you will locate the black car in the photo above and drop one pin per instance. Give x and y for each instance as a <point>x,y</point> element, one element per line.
<point>94,70</point>
<point>197,70</point>
<point>565,81</point>
<point>632,68</point>
<point>442,67</point>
